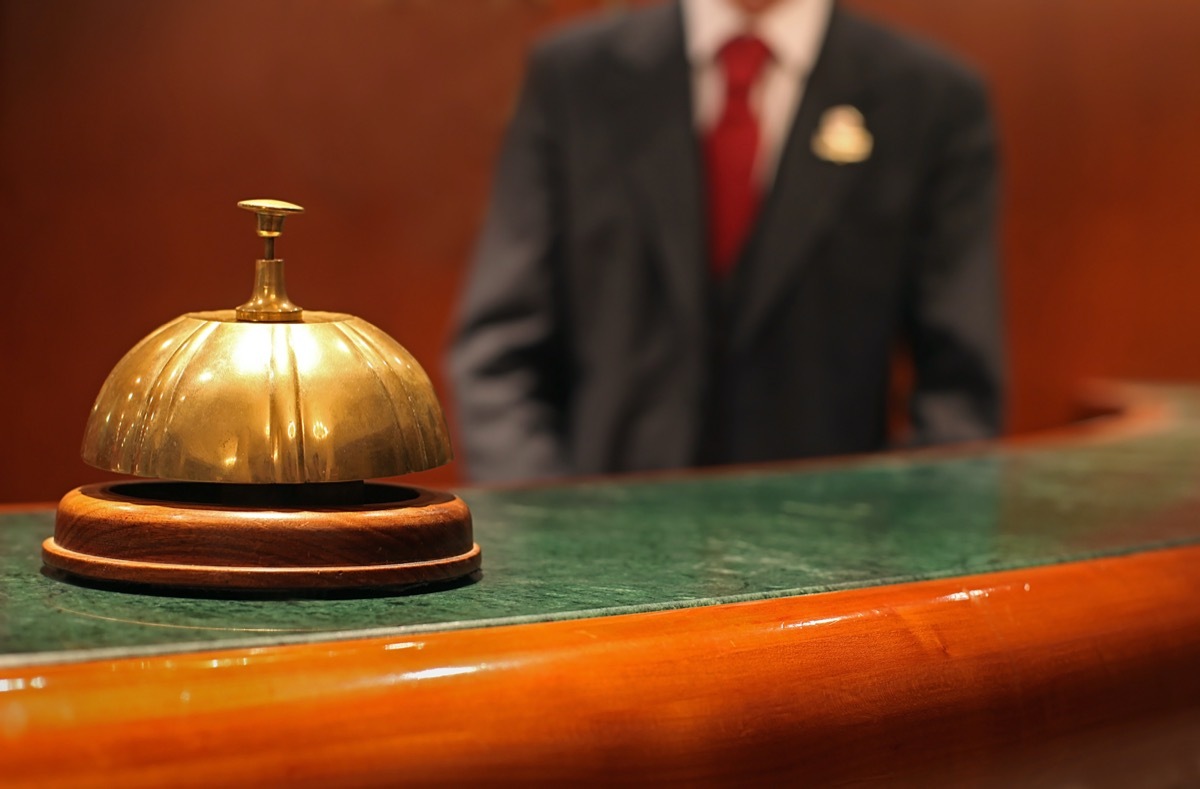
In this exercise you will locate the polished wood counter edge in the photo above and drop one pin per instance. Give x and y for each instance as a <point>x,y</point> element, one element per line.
<point>1050,675</point>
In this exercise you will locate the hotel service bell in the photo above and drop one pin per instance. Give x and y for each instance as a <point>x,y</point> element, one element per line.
<point>261,427</point>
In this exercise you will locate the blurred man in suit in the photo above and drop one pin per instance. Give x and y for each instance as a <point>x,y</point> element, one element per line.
<point>712,223</point>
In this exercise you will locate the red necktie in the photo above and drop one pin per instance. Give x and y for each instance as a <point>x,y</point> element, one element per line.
<point>729,153</point>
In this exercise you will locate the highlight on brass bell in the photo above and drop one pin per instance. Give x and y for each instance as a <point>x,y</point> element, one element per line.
<point>262,426</point>
<point>267,393</point>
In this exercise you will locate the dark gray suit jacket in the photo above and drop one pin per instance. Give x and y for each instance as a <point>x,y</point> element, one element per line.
<point>591,338</point>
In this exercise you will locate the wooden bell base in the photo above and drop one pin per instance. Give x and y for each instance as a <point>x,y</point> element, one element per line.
<point>209,536</point>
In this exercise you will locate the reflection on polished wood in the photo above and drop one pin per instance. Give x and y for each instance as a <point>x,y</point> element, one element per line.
<point>1059,672</point>
<point>1072,673</point>
<point>172,534</point>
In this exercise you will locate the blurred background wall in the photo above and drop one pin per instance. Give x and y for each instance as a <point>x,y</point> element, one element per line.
<point>129,129</point>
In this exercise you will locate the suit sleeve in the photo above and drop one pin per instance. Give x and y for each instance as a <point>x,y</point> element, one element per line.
<point>507,363</point>
<point>954,315</point>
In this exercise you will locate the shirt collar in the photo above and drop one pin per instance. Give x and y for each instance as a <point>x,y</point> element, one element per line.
<point>792,29</point>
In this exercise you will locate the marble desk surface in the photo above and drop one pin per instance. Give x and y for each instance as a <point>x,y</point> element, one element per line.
<point>600,548</point>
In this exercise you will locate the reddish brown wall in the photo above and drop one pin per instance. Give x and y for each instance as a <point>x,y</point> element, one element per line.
<point>128,130</point>
<point>1099,108</point>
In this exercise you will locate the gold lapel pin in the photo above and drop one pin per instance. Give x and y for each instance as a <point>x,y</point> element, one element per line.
<point>842,136</point>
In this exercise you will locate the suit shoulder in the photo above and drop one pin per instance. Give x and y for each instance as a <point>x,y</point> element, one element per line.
<point>586,40</point>
<point>910,57</point>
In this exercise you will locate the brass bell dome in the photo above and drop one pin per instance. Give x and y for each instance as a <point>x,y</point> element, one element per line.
<point>267,393</point>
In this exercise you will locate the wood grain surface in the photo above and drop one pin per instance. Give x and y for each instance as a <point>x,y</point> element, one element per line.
<point>1081,674</point>
<point>133,532</point>
<point>383,119</point>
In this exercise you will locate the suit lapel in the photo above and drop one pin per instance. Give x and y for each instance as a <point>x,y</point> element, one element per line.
<point>652,104</point>
<point>808,192</point>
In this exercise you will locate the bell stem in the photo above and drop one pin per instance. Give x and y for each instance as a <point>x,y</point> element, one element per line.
<point>269,301</point>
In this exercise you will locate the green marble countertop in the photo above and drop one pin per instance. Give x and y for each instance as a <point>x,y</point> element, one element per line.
<point>603,548</point>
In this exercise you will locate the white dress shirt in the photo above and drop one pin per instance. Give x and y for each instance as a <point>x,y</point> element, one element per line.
<point>792,29</point>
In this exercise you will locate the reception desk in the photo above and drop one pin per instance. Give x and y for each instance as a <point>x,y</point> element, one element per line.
<point>1026,613</point>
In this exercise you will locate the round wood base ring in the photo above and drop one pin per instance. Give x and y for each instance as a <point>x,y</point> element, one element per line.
<point>132,532</point>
